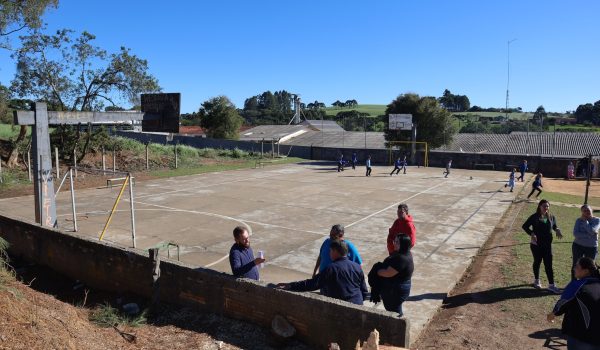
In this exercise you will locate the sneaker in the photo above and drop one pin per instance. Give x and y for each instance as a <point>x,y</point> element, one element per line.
<point>537,284</point>
<point>554,289</point>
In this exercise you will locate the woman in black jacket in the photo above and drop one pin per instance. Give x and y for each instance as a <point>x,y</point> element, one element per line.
<point>396,275</point>
<point>580,303</point>
<point>539,226</point>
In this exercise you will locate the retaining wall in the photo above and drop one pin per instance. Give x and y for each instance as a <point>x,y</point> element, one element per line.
<point>317,319</point>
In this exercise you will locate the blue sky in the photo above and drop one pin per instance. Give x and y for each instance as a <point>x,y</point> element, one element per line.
<point>370,51</point>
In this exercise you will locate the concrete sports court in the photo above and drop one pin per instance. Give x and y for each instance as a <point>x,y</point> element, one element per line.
<point>289,210</point>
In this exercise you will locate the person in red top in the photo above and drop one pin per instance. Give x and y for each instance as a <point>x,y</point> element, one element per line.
<point>402,226</point>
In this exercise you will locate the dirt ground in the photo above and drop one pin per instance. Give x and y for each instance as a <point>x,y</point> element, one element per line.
<point>473,315</point>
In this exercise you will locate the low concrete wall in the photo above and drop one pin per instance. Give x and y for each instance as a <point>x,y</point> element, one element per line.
<point>318,320</point>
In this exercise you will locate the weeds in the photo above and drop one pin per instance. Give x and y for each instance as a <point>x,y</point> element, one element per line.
<point>108,316</point>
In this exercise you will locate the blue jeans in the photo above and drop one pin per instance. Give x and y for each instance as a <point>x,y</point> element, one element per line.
<point>580,251</point>
<point>393,296</point>
<point>576,344</point>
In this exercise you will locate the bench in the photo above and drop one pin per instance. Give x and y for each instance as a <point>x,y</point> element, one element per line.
<point>109,182</point>
<point>484,166</point>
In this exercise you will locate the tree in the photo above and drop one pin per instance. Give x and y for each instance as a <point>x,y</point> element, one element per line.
<point>16,15</point>
<point>539,115</point>
<point>434,124</point>
<point>220,118</point>
<point>72,74</point>
<point>5,116</point>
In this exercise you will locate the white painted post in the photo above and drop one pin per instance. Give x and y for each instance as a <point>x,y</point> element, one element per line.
<point>73,200</point>
<point>103,160</point>
<point>75,159</point>
<point>176,158</point>
<point>29,165</point>
<point>56,161</point>
<point>132,209</point>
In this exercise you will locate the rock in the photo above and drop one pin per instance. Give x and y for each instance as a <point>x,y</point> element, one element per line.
<point>333,346</point>
<point>372,342</point>
<point>282,330</point>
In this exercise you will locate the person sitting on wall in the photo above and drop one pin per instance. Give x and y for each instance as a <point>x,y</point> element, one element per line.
<point>343,279</point>
<point>241,257</point>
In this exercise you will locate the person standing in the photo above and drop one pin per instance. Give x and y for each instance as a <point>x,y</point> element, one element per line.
<point>522,169</point>
<point>403,225</point>
<point>511,180</point>
<point>241,258</point>
<point>585,232</point>
<point>341,163</point>
<point>368,164</point>
<point>354,160</point>
<point>536,186</point>
<point>539,226</point>
<point>342,279</point>
<point>324,260</point>
<point>396,275</point>
<point>580,303</point>
<point>570,171</point>
<point>448,166</point>
<point>397,166</point>
<point>404,164</point>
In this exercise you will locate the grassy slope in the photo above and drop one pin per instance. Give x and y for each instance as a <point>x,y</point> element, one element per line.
<point>373,110</point>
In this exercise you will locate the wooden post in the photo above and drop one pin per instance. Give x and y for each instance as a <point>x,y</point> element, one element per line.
<point>29,165</point>
<point>103,161</point>
<point>56,161</point>
<point>75,160</point>
<point>176,158</point>
<point>147,158</point>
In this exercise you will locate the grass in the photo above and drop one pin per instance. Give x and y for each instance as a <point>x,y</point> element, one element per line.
<point>8,131</point>
<point>517,272</point>
<point>372,110</point>
<point>108,316</point>
<point>569,198</point>
<point>243,164</point>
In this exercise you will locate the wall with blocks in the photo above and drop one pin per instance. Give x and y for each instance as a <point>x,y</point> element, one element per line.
<point>317,319</point>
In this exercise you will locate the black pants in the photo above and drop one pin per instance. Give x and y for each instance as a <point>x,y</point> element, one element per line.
<point>353,164</point>
<point>368,171</point>
<point>542,253</point>
<point>340,167</point>
<point>535,189</point>
<point>580,251</point>
<point>522,177</point>
<point>396,169</point>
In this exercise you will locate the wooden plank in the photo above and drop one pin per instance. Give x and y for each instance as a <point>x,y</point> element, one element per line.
<point>74,118</point>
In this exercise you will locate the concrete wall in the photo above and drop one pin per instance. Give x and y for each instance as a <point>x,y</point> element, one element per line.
<point>318,320</point>
<point>550,167</point>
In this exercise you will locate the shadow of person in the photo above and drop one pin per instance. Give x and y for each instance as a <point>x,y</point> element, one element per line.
<point>552,336</point>
<point>494,295</point>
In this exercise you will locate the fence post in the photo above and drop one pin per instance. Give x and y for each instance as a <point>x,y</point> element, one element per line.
<point>29,165</point>
<point>75,159</point>
<point>103,161</point>
<point>73,200</point>
<point>176,158</point>
<point>147,158</point>
<point>56,161</point>
<point>114,159</point>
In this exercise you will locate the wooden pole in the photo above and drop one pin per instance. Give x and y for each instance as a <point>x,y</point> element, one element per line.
<point>29,165</point>
<point>103,160</point>
<point>56,161</point>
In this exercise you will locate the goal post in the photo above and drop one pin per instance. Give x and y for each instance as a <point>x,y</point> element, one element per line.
<point>401,148</point>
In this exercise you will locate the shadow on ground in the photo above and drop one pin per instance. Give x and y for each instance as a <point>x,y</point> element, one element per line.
<point>490,296</point>
<point>553,338</point>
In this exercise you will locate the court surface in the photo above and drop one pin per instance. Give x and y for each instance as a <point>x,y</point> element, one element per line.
<point>289,210</point>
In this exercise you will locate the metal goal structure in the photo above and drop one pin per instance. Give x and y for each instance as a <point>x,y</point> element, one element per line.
<point>416,152</point>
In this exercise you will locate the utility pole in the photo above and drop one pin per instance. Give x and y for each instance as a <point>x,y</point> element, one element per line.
<point>508,75</point>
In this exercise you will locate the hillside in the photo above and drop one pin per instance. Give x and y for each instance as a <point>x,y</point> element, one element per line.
<point>372,110</point>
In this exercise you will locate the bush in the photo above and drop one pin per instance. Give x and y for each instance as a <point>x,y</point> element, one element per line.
<point>108,316</point>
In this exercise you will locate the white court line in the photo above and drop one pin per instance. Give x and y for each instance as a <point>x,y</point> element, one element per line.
<point>395,204</point>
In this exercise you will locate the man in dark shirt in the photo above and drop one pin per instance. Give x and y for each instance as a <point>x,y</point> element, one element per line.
<point>241,257</point>
<point>343,279</point>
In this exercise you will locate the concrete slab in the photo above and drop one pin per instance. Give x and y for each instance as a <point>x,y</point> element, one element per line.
<point>289,210</point>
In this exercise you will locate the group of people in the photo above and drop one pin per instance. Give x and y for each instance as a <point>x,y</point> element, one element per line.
<point>338,270</point>
<point>580,300</point>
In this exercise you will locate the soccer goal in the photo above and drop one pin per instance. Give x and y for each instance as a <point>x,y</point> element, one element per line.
<point>400,149</point>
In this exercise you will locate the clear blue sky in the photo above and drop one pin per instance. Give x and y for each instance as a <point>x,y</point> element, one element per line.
<point>370,51</point>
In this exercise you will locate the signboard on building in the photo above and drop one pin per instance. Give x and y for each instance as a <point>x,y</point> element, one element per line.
<point>400,121</point>
<point>166,107</point>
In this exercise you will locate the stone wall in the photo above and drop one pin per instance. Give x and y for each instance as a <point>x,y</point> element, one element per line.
<point>317,319</point>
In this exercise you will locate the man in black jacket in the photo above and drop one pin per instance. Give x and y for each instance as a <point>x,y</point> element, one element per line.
<point>343,279</point>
